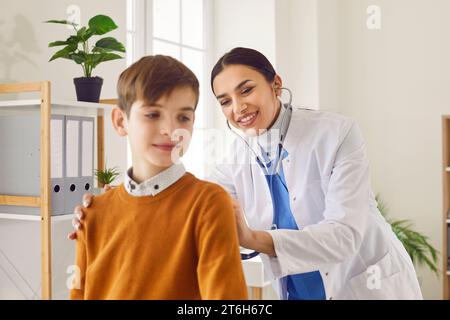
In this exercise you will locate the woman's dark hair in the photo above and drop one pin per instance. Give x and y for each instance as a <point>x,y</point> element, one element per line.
<point>247,57</point>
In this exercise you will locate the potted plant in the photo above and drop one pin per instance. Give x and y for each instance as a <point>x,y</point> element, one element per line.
<point>422,253</point>
<point>76,48</point>
<point>106,177</point>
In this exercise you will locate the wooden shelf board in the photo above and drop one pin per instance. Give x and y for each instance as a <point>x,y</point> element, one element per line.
<point>24,217</point>
<point>27,217</point>
<point>19,103</point>
<point>34,102</point>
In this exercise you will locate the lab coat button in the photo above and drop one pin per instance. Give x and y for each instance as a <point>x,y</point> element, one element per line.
<point>326,274</point>
<point>156,187</point>
<point>331,298</point>
<point>295,198</point>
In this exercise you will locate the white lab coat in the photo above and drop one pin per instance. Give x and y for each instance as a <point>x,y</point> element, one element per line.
<point>342,234</point>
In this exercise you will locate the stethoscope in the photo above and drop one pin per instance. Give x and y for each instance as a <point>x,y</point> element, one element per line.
<point>274,168</point>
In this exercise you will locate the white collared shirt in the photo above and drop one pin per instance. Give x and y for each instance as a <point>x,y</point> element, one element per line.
<point>156,184</point>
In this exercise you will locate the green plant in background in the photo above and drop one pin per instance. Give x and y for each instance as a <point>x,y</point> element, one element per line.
<point>76,47</point>
<point>417,245</point>
<point>107,176</point>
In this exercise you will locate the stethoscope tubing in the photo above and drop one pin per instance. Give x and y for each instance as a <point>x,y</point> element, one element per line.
<point>282,136</point>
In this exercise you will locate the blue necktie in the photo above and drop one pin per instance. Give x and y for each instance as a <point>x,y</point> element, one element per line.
<point>304,286</point>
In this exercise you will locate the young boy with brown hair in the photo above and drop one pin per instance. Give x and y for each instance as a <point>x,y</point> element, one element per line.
<point>163,233</point>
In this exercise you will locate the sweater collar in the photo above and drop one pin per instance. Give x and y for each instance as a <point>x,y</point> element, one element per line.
<point>156,184</point>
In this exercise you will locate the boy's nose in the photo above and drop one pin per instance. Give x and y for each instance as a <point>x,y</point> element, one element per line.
<point>167,128</point>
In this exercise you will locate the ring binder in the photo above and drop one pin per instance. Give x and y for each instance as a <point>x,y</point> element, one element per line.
<point>79,177</point>
<point>71,163</point>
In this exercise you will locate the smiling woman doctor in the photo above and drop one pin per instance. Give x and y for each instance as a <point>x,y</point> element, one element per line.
<point>307,197</point>
<point>301,180</point>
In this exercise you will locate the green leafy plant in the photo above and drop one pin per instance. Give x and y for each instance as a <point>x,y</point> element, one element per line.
<point>107,176</point>
<point>417,245</point>
<point>76,47</point>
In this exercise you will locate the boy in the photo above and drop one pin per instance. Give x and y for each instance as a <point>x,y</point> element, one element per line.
<point>162,234</point>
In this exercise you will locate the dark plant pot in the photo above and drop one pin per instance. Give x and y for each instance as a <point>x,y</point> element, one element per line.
<point>88,88</point>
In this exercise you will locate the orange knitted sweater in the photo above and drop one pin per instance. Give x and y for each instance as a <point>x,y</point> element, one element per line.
<point>180,244</point>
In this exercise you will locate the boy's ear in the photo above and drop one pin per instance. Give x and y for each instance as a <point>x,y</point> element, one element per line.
<point>119,120</point>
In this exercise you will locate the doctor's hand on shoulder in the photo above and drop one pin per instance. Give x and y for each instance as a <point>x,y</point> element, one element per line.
<point>79,214</point>
<point>245,234</point>
<point>259,241</point>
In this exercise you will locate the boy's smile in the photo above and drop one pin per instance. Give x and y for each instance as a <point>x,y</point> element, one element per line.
<point>165,146</point>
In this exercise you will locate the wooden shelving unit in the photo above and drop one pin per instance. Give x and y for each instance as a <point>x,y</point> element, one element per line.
<point>43,202</point>
<point>446,204</point>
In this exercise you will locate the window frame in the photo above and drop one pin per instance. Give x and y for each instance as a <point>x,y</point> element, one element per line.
<point>140,39</point>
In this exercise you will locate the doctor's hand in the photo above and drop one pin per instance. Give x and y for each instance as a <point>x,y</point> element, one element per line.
<point>244,232</point>
<point>79,214</point>
<point>260,241</point>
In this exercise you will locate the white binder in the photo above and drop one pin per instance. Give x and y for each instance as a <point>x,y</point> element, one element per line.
<point>57,130</point>
<point>79,160</point>
<point>87,154</point>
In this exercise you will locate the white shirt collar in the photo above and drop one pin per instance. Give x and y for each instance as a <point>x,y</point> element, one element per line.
<point>156,184</point>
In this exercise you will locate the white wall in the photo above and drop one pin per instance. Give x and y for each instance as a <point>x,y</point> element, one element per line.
<point>307,51</point>
<point>285,31</point>
<point>24,39</point>
<point>24,57</point>
<point>297,50</point>
<point>236,24</point>
<point>328,54</point>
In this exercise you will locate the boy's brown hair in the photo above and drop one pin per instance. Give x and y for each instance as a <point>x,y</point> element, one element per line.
<point>151,78</point>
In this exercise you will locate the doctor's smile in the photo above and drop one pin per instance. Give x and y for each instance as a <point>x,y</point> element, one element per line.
<point>248,119</point>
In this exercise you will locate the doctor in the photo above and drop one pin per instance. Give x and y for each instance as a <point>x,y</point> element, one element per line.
<point>302,188</point>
